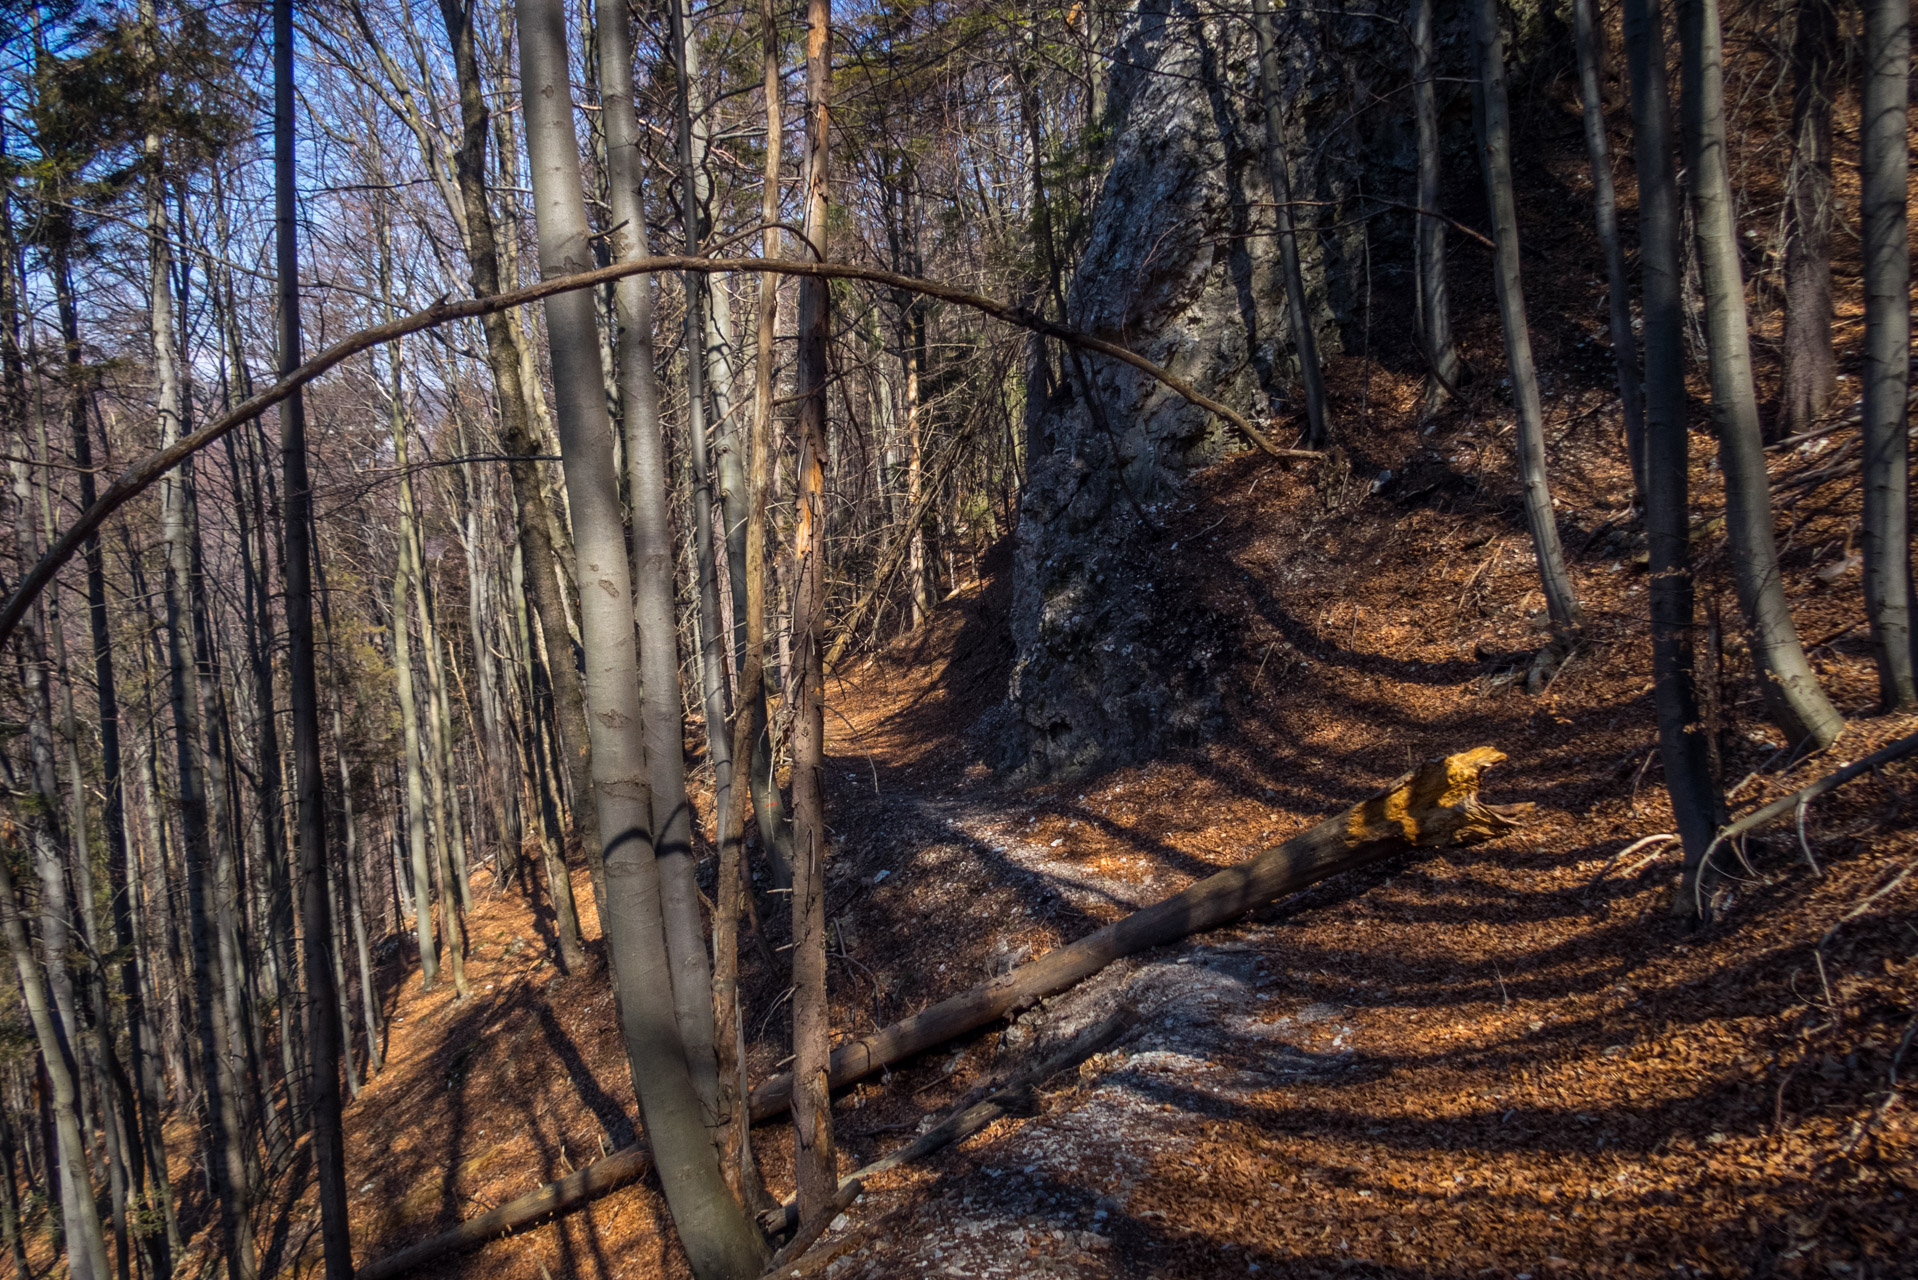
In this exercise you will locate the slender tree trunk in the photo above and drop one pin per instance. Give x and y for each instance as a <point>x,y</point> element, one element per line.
<point>1798,705</point>
<point>1810,374</point>
<point>816,1167</point>
<point>508,362</point>
<point>1495,158</point>
<point>720,1241</point>
<point>86,1246</point>
<point>1435,312</point>
<point>653,547</point>
<point>692,974</point>
<point>769,813</point>
<point>403,579</point>
<point>322,995</point>
<point>1682,747</point>
<point>1278,171</point>
<point>1883,165</point>
<point>1590,39</point>
<point>226,1165</point>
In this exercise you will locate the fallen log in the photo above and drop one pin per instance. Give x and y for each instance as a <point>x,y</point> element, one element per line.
<point>968,1120</point>
<point>1434,806</point>
<point>586,1183</point>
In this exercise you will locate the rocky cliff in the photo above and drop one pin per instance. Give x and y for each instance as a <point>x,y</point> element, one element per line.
<point>1180,266</point>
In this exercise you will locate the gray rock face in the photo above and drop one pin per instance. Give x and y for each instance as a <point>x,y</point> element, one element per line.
<point>1180,266</point>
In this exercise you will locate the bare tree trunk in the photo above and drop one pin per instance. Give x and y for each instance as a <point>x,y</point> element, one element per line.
<point>1435,312</point>
<point>720,1242</point>
<point>1278,170</point>
<point>1883,165</point>
<point>1810,375</point>
<point>1682,748</point>
<point>508,361</point>
<point>1496,160</point>
<point>1590,39</point>
<point>653,550</point>
<point>322,995</point>
<point>86,1244</point>
<point>1798,705</point>
<point>775,827</point>
<point>816,1167</point>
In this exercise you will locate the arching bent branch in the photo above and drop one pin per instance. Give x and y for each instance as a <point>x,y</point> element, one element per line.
<point>142,474</point>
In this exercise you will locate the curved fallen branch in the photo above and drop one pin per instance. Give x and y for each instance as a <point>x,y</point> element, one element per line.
<point>142,474</point>
<point>1435,806</point>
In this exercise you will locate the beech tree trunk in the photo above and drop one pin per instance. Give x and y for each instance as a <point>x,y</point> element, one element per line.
<point>1810,374</point>
<point>1590,39</point>
<point>1798,705</point>
<point>1883,164</point>
<point>1495,158</point>
<point>646,469</point>
<point>1682,747</point>
<point>720,1242</point>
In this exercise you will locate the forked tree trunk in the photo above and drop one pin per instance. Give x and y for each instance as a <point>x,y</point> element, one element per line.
<point>1883,162</point>
<point>1590,39</point>
<point>653,561</point>
<point>1681,738</point>
<point>1496,160</point>
<point>720,1242</point>
<point>1278,171</point>
<point>1435,312</point>
<point>1810,374</point>
<point>1798,705</point>
<point>817,1171</point>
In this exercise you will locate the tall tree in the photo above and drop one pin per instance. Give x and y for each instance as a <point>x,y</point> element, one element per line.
<point>1798,705</point>
<point>1589,37</point>
<point>720,1240</point>
<point>653,546</point>
<point>506,360</point>
<point>322,996</point>
<point>1809,377</point>
<point>1435,312</point>
<point>1883,165</point>
<point>817,1169</point>
<point>1495,160</point>
<point>1279,173</point>
<point>1695,799</point>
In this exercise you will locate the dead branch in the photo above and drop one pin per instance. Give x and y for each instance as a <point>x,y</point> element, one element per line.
<point>1830,782</point>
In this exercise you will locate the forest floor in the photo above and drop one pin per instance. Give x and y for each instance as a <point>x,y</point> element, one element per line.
<point>1506,1061</point>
